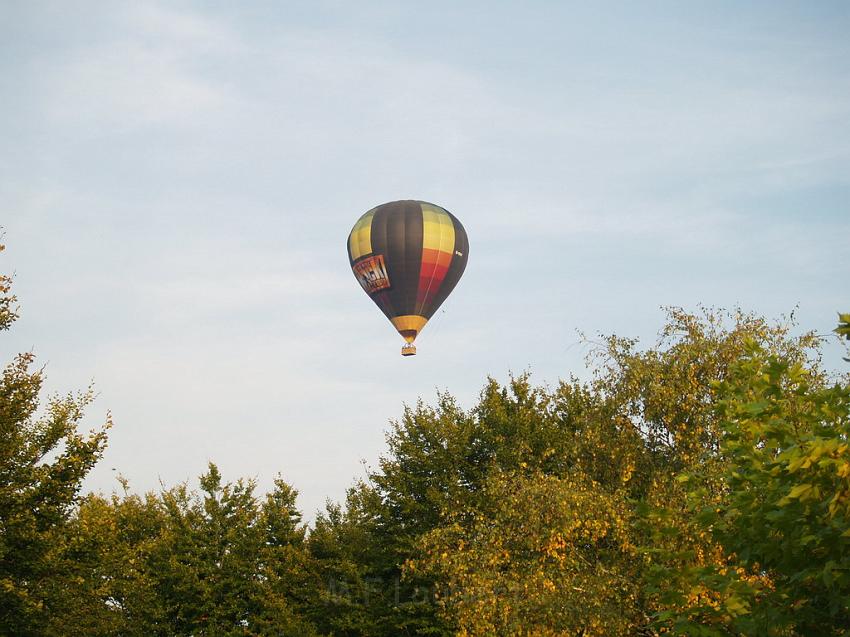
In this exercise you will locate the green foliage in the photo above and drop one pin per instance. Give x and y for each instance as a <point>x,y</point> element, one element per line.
<point>217,563</point>
<point>700,487</point>
<point>470,484</point>
<point>43,460</point>
<point>843,328</point>
<point>8,312</point>
<point>781,521</point>
<point>361,591</point>
<point>788,510</point>
<point>220,562</point>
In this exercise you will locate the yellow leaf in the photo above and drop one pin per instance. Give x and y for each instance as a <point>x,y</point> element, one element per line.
<point>799,490</point>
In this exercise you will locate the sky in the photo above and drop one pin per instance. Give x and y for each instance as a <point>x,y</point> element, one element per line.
<point>178,181</point>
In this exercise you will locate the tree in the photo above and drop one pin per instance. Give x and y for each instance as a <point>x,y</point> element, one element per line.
<point>43,460</point>
<point>218,562</point>
<point>472,483</point>
<point>110,540</point>
<point>360,590</point>
<point>781,521</point>
<point>545,556</point>
<point>843,328</point>
<point>699,486</point>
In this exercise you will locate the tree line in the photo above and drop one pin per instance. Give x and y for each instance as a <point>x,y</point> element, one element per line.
<point>700,486</point>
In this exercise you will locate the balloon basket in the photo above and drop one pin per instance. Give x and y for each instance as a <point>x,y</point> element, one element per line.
<point>408,350</point>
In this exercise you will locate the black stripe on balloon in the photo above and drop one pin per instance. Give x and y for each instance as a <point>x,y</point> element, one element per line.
<point>415,237</point>
<point>403,255</point>
<point>455,271</point>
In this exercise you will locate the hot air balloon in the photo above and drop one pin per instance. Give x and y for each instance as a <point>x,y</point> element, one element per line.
<point>408,256</point>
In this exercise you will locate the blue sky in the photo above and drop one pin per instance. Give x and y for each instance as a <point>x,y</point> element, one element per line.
<point>177,182</point>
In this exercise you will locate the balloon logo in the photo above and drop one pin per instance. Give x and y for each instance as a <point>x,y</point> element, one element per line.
<point>408,256</point>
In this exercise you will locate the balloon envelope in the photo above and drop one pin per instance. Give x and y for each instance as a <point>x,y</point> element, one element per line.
<point>408,256</point>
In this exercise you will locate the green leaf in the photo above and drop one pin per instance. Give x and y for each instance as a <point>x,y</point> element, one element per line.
<point>843,328</point>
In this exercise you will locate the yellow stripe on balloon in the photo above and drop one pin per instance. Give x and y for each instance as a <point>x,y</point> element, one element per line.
<point>409,323</point>
<point>360,241</point>
<point>438,232</point>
